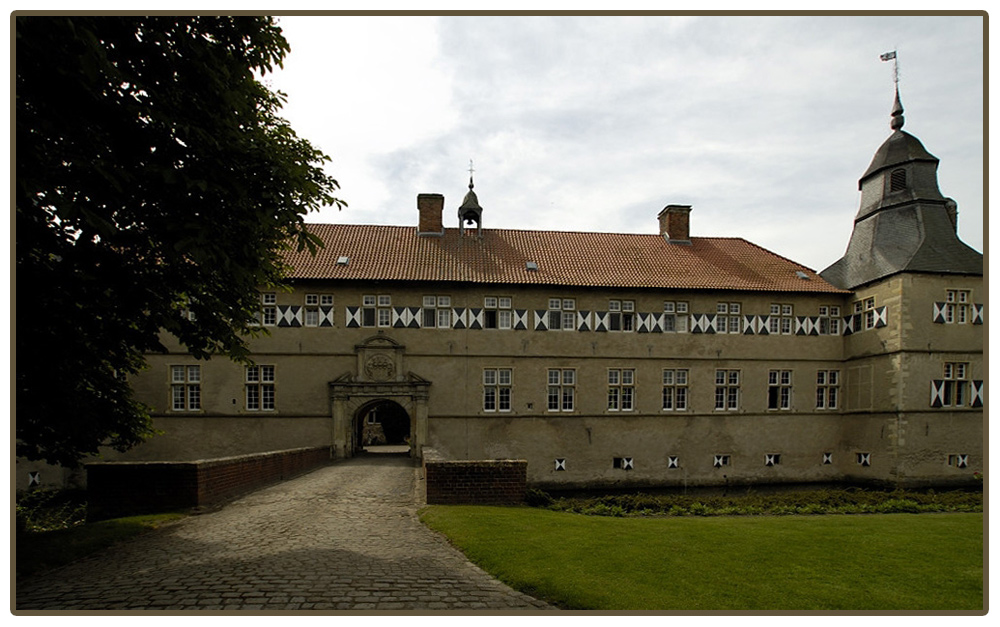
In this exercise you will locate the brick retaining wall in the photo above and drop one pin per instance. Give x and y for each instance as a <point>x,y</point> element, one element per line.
<point>124,488</point>
<point>480,482</point>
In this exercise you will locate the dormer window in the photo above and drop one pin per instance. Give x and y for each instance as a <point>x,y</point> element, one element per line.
<point>897,180</point>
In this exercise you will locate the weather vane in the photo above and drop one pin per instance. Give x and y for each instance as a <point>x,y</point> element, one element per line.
<point>891,56</point>
<point>470,173</point>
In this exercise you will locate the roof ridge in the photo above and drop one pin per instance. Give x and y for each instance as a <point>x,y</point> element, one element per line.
<point>515,230</point>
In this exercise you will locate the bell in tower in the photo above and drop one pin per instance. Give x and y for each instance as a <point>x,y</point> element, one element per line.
<point>470,212</point>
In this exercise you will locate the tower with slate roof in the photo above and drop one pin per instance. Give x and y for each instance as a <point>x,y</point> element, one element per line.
<point>913,344</point>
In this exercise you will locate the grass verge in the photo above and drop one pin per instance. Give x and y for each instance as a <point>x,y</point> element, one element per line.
<point>44,550</point>
<point>873,562</point>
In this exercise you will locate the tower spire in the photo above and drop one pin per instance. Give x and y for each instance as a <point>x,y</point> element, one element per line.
<point>470,212</point>
<point>897,120</point>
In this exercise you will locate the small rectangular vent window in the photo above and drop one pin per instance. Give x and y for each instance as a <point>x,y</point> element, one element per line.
<point>958,461</point>
<point>531,266</point>
<point>625,463</point>
<point>343,261</point>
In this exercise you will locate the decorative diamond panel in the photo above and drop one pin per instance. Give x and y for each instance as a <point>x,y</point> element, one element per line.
<point>977,394</point>
<point>326,316</point>
<point>977,313</point>
<point>520,322</point>
<point>353,317</point>
<point>938,315</point>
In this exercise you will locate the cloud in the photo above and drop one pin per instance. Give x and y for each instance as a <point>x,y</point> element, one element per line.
<point>763,124</point>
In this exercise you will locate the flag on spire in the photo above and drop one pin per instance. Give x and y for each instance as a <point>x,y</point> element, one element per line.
<point>888,56</point>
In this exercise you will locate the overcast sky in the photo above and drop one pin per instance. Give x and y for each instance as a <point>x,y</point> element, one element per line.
<point>762,124</point>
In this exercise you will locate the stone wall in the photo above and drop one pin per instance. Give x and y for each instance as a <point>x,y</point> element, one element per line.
<point>474,482</point>
<point>124,488</point>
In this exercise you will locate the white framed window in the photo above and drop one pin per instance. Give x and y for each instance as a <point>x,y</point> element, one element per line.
<point>780,322</point>
<point>729,319</point>
<point>621,389</point>
<point>956,309</point>
<point>675,389</point>
<point>326,300</point>
<point>675,316</point>
<point>868,312</point>
<point>312,300</point>
<point>621,315</point>
<point>368,309</point>
<point>827,389</point>
<point>727,390</point>
<point>268,310</point>
<point>384,311</point>
<point>269,315</point>
<point>260,388</point>
<point>779,389</point>
<point>956,384</point>
<point>311,317</point>
<point>185,388</point>
<point>497,312</point>
<point>561,389</point>
<point>497,389</point>
<point>436,312</point>
<point>562,314</point>
<point>829,320</point>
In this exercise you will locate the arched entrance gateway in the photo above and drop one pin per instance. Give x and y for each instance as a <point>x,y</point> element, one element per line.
<point>381,423</point>
<point>380,402</point>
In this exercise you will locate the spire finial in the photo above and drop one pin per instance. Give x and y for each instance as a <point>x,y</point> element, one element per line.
<point>897,120</point>
<point>471,170</point>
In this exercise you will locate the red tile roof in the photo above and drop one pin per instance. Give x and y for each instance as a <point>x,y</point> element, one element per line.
<point>397,253</point>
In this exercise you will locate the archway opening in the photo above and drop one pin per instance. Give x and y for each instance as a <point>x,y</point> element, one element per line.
<point>382,427</point>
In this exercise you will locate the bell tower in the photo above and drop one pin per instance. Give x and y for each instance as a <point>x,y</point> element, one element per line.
<point>470,212</point>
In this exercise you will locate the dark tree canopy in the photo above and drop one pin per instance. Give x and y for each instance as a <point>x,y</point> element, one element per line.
<point>155,179</point>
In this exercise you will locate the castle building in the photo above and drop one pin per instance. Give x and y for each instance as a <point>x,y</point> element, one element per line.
<point>608,359</point>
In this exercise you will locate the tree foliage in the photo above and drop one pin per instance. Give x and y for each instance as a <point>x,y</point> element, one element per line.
<point>155,180</point>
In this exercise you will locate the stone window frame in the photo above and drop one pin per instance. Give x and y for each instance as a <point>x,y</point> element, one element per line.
<point>621,315</point>
<point>560,392</point>
<point>260,393</point>
<point>498,386</point>
<point>727,389</point>
<point>675,318</point>
<point>779,390</point>
<point>675,389</point>
<point>621,389</point>
<point>828,390</point>
<point>185,387</point>
<point>498,312</point>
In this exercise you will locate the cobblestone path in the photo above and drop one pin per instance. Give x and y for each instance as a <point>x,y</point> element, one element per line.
<point>345,537</point>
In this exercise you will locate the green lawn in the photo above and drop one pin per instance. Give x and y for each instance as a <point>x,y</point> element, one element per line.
<point>832,562</point>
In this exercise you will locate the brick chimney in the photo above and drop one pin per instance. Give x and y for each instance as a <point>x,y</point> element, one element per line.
<point>675,223</point>
<point>430,207</point>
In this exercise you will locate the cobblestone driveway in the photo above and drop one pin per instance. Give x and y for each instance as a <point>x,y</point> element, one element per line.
<point>345,537</point>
